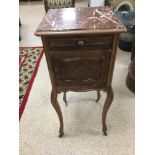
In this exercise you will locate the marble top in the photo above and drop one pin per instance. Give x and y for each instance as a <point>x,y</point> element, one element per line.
<point>82,18</point>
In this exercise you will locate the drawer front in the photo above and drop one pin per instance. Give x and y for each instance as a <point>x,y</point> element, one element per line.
<point>81,68</point>
<point>105,40</point>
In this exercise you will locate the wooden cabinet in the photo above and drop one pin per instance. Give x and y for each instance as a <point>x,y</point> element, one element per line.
<point>80,61</point>
<point>80,52</point>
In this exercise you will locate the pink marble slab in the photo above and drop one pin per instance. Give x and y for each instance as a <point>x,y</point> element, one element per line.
<point>83,18</point>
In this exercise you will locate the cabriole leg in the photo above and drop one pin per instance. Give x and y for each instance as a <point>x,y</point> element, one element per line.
<point>58,110</point>
<point>64,98</point>
<point>108,101</point>
<point>98,95</point>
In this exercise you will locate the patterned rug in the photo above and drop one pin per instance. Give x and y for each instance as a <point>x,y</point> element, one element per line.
<point>29,59</point>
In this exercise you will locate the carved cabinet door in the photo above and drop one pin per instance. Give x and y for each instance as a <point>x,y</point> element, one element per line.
<point>81,67</point>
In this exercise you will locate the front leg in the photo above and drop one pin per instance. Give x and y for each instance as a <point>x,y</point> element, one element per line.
<point>109,99</point>
<point>58,110</point>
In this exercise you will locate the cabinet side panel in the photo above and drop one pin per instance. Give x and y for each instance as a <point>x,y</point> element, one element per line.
<point>48,60</point>
<point>112,59</point>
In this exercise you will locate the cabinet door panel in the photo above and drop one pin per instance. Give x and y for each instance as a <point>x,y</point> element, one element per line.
<point>81,68</point>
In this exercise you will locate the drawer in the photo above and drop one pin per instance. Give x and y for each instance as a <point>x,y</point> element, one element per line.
<point>81,68</point>
<point>105,40</point>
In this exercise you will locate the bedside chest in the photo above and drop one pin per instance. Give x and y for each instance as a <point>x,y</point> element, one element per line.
<point>80,48</point>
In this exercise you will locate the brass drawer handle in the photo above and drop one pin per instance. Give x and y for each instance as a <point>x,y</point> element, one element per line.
<point>81,43</point>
